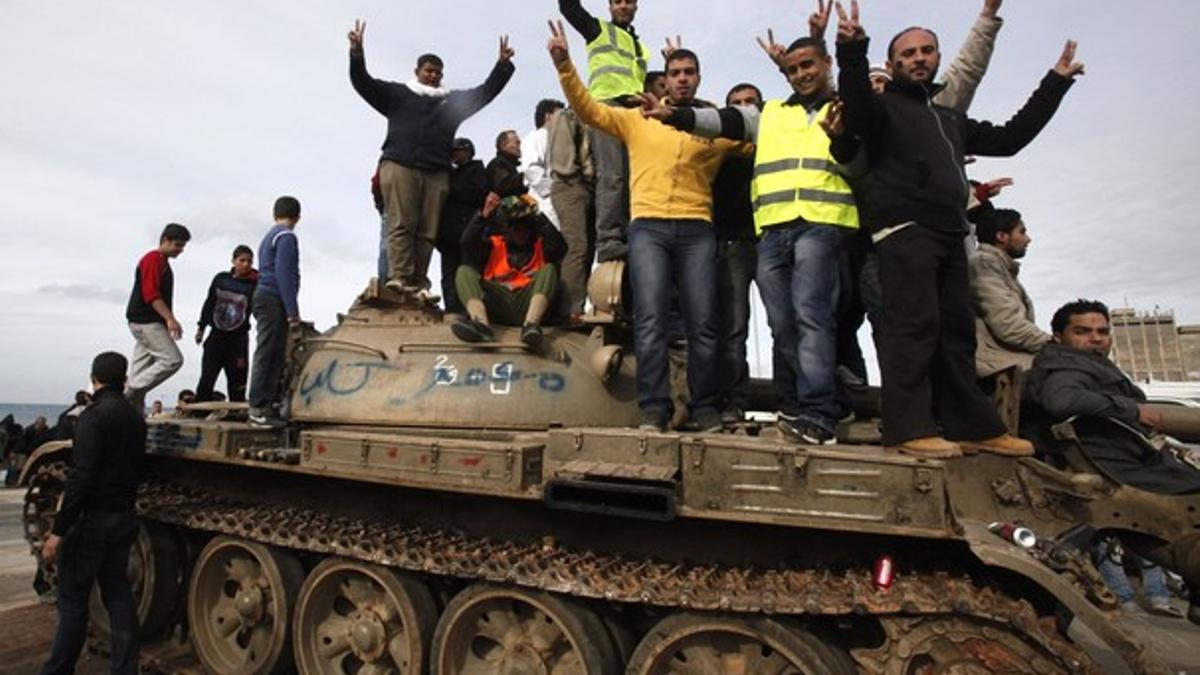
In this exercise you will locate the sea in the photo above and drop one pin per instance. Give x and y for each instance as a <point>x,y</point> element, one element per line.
<point>25,413</point>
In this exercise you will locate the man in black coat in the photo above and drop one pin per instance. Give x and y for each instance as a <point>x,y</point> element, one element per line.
<point>1073,377</point>
<point>469,186</point>
<point>414,166</point>
<point>96,524</point>
<point>916,196</point>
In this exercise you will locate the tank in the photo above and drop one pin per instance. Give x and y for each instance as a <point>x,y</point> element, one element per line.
<point>438,507</point>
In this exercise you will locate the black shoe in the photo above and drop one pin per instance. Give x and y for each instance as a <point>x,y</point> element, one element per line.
<point>470,330</point>
<point>707,422</point>
<point>733,415</point>
<point>531,334</point>
<point>652,420</point>
<point>802,431</point>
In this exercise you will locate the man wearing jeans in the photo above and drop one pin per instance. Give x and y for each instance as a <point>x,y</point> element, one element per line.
<point>96,524</point>
<point>671,240</point>
<point>275,306</point>
<point>151,320</point>
<point>802,206</point>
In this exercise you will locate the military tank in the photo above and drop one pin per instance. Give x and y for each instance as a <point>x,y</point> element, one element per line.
<point>435,506</point>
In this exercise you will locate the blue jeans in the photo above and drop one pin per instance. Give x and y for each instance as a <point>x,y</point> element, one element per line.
<point>1154,583</point>
<point>798,280</point>
<point>96,552</point>
<point>683,253</point>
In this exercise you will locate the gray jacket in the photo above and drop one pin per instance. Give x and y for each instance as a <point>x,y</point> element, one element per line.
<point>1005,331</point>
<point>962,77</point>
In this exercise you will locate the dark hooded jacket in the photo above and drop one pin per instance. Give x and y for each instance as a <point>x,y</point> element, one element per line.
<point>1071,383</point>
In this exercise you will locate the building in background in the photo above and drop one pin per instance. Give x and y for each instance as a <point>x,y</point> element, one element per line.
<point>1152,347</point>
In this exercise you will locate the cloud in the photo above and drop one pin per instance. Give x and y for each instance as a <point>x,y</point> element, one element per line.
<point>84,292</point>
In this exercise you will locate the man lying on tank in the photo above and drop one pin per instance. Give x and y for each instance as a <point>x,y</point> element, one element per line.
<point>509,274</point>
<point>1073,377</point>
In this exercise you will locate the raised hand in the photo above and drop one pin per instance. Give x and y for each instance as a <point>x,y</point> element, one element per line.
<point>490,203</point>
<point>506,52</point>
<point>833,123</point>
<point>356,35</point>
<point>557,46</point>
<point>849,28</point>
<point>991,7</point>
<point>994,186</point>
<point>671,47</point>
<point>1067,66</point>
<point>818,21</point>
<point>654,108</point>
<point>774,50</point>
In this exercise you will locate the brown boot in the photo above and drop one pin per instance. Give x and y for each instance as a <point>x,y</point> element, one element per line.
<point>1005,444</point>
<point>930,447</point>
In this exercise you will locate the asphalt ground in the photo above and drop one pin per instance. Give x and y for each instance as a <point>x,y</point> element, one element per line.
<point>27,627</point>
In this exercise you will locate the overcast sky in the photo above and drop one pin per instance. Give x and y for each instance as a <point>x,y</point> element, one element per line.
<point>119,117</point>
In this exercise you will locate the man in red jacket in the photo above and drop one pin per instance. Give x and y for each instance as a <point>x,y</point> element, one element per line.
<point>151,319</point>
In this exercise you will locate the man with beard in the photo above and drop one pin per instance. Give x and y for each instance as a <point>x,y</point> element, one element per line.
<point>915,209</point>
<point>1005,330</point>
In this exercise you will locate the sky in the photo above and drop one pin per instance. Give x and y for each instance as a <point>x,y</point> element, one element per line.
<point>117,118</point>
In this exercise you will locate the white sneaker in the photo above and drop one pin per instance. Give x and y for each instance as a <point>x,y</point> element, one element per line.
<point>428,297</point>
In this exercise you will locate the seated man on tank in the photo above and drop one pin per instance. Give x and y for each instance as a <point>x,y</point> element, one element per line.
<point>509,274</point>
<point>1073,379</point>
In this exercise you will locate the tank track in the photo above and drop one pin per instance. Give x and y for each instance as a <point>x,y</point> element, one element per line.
<point>612,578</point>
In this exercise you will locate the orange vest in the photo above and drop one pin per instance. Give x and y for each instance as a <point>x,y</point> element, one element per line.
<point>498,270</point>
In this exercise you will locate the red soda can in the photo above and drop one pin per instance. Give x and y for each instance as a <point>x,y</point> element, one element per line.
<point>884,573</point>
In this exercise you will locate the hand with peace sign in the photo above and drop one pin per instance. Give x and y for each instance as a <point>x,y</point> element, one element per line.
<point>671,47</point>
<point>834,123</point>
<point>654,108</point>
<point>506,52</point>
<point>1067,66</point>
<point>818,21</point>
<point>557,46</point>
<point>774,50</point>
<point>356,35</point>
<point>849,29</point>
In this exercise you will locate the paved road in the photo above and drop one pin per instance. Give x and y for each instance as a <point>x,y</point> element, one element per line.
<point>28,627</point>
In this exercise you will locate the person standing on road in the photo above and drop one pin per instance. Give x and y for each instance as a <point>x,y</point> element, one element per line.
<point>151,320</point>
<point>276,307</point>
<point>414,170</point>
<point>96,524</point>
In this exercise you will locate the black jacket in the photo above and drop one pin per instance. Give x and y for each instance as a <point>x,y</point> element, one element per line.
<point>421,128</point>
<point>227,307</point>
<point>468,189</point>
<point>106,463</point>
<point>477,244</point>
<point>915,149</point>
<point>733,213</point>
<point>1066,383</point>
<point>505,177</point>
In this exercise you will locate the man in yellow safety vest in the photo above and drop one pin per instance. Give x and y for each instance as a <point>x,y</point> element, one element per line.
<point>802,207</point>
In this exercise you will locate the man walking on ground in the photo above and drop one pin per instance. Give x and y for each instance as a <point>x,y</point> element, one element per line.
<point>96,524</point>
<point>1006,333</point>
<point>414,168</point>
<point>616,75</point>
<point>672,245</point>
<point>932,406</point>
<point>276,307</point>
<point>227,311</point>
<point>151,320</point>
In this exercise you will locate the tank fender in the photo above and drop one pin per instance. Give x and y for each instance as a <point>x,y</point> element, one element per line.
<point>54,451</point>
<point>998,553</point>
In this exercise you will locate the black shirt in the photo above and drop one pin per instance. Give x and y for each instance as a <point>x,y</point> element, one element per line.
<point>106,463</point>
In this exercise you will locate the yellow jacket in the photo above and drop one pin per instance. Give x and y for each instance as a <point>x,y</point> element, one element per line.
<point>670,172</point>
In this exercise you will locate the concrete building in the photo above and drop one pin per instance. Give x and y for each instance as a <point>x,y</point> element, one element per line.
<point>1151,346</point>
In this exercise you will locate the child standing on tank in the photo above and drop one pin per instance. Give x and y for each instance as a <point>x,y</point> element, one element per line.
<point>276,307</point>
<point>227,311</point>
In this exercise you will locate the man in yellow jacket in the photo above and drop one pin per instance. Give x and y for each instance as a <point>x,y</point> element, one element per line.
<point>670,236</point>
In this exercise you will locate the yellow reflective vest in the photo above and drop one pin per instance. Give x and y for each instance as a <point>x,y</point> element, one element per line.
<point>616,63</point>
<point>795,175</point>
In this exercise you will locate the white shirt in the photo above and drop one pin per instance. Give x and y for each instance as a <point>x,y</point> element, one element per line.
<point>535,171</point>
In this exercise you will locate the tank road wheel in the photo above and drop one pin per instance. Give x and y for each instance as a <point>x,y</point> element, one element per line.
<point>956,646</point>
<point>240,606</point>
<point>699,644</point>
<point>493,629</point>
<point>154,574</point>
<point>359,619</point>
<point>43,497</point>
